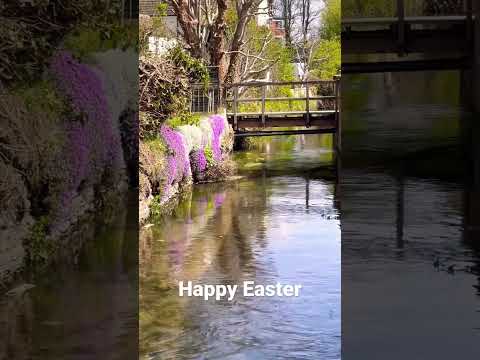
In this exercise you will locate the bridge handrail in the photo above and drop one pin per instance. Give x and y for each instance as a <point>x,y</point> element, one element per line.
<point>400,24</point>
<point>304,98</point>
<point>236,99</point>
<point>400,7</point>
<point>423,20</point>
<point>279,83</point>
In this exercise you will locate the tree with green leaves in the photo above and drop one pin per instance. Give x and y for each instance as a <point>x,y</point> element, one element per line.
<point>326,54</point>
<point>204,30</point>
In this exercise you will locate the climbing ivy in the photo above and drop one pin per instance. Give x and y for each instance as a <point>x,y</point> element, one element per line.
<point>195,69</point>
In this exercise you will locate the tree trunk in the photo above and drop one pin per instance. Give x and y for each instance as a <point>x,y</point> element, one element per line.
<point>243,18</point>
<point>216,46</point>
<point>287,22</point>
<point>188,23</point>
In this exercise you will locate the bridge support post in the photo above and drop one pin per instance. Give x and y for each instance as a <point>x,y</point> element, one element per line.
<point>471,224</point>
<point>235,110</point>
<point>476,57</point>
<point>338,123</point>
<point>263,104</point>
<point>401,27</point>
<point>470,78</point>
<point>307,105</point>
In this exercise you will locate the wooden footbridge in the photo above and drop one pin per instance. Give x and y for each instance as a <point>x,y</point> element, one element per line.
<point>284,108</point>
<point>444,41</point>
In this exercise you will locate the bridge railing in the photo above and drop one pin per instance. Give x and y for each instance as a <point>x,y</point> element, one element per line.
<point>261,99</point>
<point>402,17</point>
<point>409,8</point>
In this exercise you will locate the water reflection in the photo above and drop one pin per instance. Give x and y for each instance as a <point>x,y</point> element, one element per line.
<point>410,249</point>
<point>83,311</point>
<point>266,228</point>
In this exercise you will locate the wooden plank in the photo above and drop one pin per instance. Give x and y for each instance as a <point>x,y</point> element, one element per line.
<point>282,99</point>
<point>387,21</point>
<point>434,20</point>
<point>421,41</point>
<point>285,132</point>
<point>277,83</point>
<point>398,66</point>
<point>284,113</point>
<point>298,121</point>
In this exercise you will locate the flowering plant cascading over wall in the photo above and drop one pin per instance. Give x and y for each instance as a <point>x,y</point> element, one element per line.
<point>92,147</point>
<point>188,149</point>
<point>218,126</point>
<point>178,164</point>
<point>199,162</point>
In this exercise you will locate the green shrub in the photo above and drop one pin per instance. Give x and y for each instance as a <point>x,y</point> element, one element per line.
<point>184,119</point>
<point>156,145</point>
<point>30,34</point>
<point>39,248</point>
<point>33,141</point>
<point>163,93</point>
<point>209,156</point>
<point>84,41</point>
<point>42,97</point>
<point>156,207</point>
<point>195,69</point>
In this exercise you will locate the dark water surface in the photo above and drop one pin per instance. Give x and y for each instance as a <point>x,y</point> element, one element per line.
<point>84,310</point>
<point>408,198</point>
<point>269,227</point>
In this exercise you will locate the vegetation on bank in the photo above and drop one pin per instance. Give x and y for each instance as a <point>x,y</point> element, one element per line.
<point>176,146</point>
<point>68,117</point>
<point>176,157</point>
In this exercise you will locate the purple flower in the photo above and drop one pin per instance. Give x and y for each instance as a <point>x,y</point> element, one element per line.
<point>83,87</point>
<point>199,161</point>
<point>174,141</point>
<point>218,125</point>
<point>92,145</point>
<point>79,145</point>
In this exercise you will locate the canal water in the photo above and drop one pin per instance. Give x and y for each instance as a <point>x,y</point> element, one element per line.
<point>277,224</point>
<point>410,234</point>
<point>84,309</point>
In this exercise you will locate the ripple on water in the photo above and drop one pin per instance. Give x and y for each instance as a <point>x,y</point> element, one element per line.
<point>266,231</point>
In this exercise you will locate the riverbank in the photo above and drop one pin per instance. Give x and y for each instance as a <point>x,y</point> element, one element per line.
<point>68,149</point>
<point>180,156</point>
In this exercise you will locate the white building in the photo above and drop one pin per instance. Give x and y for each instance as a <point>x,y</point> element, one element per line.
<point>264,13</point>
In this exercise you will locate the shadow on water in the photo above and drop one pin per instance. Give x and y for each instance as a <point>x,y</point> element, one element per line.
<point>272,226</point>
<point>85,310</point>
<point>410,251</point>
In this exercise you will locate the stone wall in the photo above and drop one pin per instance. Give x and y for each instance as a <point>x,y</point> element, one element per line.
<point>180,157</point>
<point>86,162</point>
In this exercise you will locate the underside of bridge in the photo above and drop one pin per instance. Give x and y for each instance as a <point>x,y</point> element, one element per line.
<point>317,119</point>
<point>419,43</point>
<point>422,44</point>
